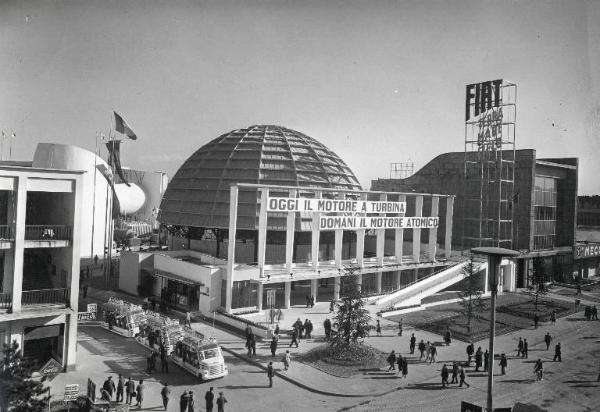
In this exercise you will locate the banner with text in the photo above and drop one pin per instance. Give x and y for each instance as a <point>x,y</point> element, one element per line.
<point>292,204</point>
<point>354,223</point>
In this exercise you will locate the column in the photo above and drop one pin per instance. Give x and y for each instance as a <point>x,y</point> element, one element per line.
<point>397,279</point>
<point>360,247</point>
<point>416,231</point>
<point>449,216</point>
<point>380,240</point>
<point>9,254</point>
<point>262,230</point>
<point>314,246</point>
<point>314,288</point>
<point>432,246</point>
<point>70,344</point>
<point>486,284</point>
<point>399,236</point>
<point>74,250</point>
<point>379,278</point>
<point>289,236</point>
<point>336,288</point>
<point>259,297</point>
<point>415,275</point>
<point>338,248</point>
<point>19,246</point>
<point>233,200</point>
<point>288,293</point>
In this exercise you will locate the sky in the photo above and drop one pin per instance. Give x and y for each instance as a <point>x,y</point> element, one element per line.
<point>378,82</point>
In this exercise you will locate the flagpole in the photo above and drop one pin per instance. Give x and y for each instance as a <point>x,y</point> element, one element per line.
<point>94,202</point>
<point>12,134</point>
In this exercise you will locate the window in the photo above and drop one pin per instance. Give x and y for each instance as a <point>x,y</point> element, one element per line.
<point>544,229</point>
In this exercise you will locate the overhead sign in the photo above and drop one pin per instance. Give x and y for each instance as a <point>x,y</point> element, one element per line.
<point>293,204</point>
<point>71,392</point>
<point>482,97</point>
<point>354,223</point>
<point>587,250</point>
<point>52,367</point>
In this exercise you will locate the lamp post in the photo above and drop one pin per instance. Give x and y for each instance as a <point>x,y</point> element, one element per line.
<point>494,257</point>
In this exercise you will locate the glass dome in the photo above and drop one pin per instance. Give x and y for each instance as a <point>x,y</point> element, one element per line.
<point>198,194</point>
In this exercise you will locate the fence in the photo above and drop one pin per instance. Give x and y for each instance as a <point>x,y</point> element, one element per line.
<point>45,297</point>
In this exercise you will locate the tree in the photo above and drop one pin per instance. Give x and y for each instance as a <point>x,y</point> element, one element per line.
<point>18,391</point>
<point>537,277</point>
<point>470,295</point>
<point>351,316</point>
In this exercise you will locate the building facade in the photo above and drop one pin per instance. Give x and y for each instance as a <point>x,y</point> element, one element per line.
<point>40,224</point>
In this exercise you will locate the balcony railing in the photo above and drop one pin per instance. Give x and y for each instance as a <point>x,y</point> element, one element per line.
<point>5,233</point>
<point>45,297</point>
<point>5,300</point>
<point>47,232</point>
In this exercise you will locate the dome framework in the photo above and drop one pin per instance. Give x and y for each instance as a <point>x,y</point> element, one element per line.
<point>198,195</point>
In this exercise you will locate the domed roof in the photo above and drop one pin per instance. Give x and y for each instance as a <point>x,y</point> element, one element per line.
<point>198,194</point>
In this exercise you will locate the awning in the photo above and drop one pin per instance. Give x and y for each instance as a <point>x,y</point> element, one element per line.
<point>176,278</point>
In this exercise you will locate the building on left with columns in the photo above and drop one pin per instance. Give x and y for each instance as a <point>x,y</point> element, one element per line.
<point>40,231</point>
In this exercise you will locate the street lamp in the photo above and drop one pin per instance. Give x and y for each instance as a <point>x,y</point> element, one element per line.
<point>494,257</point>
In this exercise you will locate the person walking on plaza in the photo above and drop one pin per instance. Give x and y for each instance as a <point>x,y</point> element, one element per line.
<point>248,332</point>
<point>547,339</point>
<point>165,392</point>
<point>327,327</point>
<point>400,327</point>
<point>444,376</point>
<point>557,353</point>
<point>503,363</point>
<point>448,336</point>
<point>188,319</point>
<point>432,353</point>
<point>536,320</point>
<point>298,328</point>
<point>594,313</point>
<point>209,399</point>
<point>378,328</point>
<point>273,344</point>
<point>191,403</point>
<point>462,375</point>
<point>312,301</point>
<point>486,360</point>
<point>421,348</point>
<point>294,337</point>
<point>287,360</point>
<point>129,391</point>
<point>520,347</point>
<point>478,359</point>
<point>183,401</point>
<point>120,389</point>
<point>109,386</point>
<point>391,360</point>
<point>454,372</point>
<point>525,349</point>
<point>139,393</point>
<point>538,369</point>
<point>553,317</point>
<point>164,362</point>
<point>399,361</point>
<point>270,374</point>
<point>427,351</point>
<point>251,345</point>
<point>221,401</point>
<point>308,327</point>
<point>413,342</point>
<point>404,367</point>
<point>470,351</point>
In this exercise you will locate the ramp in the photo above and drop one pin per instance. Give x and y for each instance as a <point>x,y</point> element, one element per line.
<point>412,294</point>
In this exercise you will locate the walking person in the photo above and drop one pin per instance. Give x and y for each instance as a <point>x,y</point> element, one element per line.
<point>270,374</point>
<point>536,320</point>
<point>444,376</point>
<point>553,317</point>
<point>400,327</point>
<point>391,360</point>
<point>191,404</point>
<point>165,392</point>
<point>454,372</point>
<point>427,351</point>
<point>294,337</point>
<point>129,391</point>
<point>209,399</point>
<point>486,360</point>
<point>432,353</point>
<point>520,347</point>
<point>557,353</point>
<point>378,328</point>
<point>478,359</point>
<point>164,363</point>
<point>413,342</point>
<point>547,339</point>
<point>503,363</point>
<point>120,389</point>
<point>525,349</point>
<point>139,393</point>
<point>538,369</point>
<point>327,327</point>
<point>470,351</point>
<point>399,361</point>
<point>448,336</point>
<point>404,367</point>
<point>221,401</point>
<point>287,360</point>
<point>462,375</point>
<point>109,386</point>
<point>183,401</point>
<point>308,327</point>
<point>421,348</point>
<point>273,345</point>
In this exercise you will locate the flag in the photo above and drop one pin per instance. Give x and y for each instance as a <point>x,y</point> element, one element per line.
<point>122,127</point>
<point>114,158</point>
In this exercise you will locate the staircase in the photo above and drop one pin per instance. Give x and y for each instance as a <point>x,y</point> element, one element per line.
<point>412,294</point>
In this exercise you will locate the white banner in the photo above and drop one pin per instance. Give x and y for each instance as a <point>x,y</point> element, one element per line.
<point>353,223</point>
<point>293,204</point>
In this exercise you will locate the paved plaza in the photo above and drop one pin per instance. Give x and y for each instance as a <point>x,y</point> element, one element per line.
<point>569,385</point>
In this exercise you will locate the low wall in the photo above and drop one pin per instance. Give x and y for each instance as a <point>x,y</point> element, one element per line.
<point>241,325</point>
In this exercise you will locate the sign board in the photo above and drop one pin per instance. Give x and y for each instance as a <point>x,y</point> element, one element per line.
<point>293,204</point>
<point>52,367</point>
<point>469,407</point>
<point>587,250</point>
<point>354,223</point>
<point>86,316</point>
<point>482,97</point>
<point>92,307</point>
<point>271,297</point>
<point>71,392</point>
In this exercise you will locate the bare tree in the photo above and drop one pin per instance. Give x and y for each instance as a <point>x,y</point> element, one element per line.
<point>470,295</point>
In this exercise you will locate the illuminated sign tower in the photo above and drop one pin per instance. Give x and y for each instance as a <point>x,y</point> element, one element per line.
<point>490,115</point>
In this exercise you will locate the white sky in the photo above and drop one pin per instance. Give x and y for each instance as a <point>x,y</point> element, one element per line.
<point>375,81</point>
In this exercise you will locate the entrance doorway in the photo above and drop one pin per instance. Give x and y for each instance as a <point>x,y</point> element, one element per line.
<point>41,343</point>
